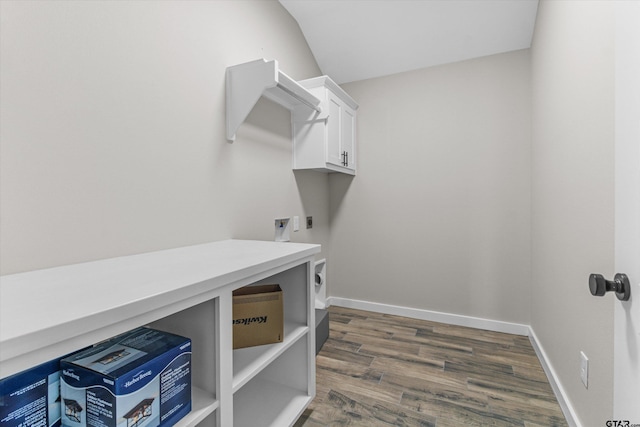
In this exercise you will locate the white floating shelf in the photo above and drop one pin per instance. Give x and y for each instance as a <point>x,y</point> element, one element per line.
<point>247,82</point>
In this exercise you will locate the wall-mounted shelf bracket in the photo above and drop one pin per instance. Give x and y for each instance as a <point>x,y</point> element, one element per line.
<point>247,82</point>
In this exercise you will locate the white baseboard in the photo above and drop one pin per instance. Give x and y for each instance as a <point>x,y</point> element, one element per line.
<point>434,316</point>
<point>478,323</point>
<point>554,381</point>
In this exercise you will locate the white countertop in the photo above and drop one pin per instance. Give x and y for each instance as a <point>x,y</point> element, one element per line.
<point>38,308</point>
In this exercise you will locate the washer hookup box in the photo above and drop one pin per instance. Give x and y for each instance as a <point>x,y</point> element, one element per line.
<point>138,379</point>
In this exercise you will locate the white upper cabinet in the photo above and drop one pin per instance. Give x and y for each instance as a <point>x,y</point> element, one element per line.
<point>325,141</point>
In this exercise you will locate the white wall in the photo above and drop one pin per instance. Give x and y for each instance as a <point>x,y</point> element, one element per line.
<point>438,216</point>
<point>573,197</point>
<point>113,137</point>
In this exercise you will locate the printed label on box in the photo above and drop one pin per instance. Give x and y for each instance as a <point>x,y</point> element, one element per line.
<point>31,398</point>
<point>142,379</point>
<point>258,316</point>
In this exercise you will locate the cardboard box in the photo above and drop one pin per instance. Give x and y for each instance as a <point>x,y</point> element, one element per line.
<point>138,379</point>
<point>31,398</point>
<point>257,316</point>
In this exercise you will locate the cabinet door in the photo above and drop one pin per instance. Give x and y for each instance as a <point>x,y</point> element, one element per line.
<point>348,136</point>
<point>334,147</point>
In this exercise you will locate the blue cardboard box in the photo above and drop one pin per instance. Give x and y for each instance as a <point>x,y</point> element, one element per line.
<point>31,398</point>
<point>138,379</point>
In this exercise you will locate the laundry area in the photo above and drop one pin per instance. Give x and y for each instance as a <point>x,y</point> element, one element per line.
<point>357,212</point>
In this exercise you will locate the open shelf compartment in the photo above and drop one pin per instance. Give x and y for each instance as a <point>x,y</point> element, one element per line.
<point>204,395</point>
<point>202,405</point>
<point>278,395</point>
<point>248,362</point>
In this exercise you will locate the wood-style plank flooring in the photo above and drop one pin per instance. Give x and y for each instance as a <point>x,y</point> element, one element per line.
<point>382,370</point>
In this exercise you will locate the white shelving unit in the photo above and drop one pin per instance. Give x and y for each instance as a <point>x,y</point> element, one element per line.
<point>48,313</point>
<point>246,83</point>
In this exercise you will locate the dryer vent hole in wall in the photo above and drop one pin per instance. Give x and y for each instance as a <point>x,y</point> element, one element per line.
<point>320,285</point>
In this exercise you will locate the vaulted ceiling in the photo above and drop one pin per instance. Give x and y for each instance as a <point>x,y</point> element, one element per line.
<point>360,39</point>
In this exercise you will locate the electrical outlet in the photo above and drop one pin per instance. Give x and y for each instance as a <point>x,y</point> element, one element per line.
<point>309,222</point>
<point>296,223</point>
<point>584,369</point>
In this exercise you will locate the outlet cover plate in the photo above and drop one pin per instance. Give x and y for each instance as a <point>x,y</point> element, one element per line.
<point>584,369</point>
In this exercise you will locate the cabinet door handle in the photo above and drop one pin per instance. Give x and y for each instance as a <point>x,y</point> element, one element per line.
<point>345,158</point>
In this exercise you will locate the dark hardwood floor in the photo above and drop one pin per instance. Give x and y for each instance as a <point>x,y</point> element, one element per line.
<point>382,370</point>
